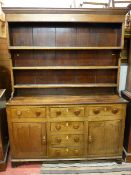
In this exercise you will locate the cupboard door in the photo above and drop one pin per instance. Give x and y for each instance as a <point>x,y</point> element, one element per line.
<point>96,138</point>
<point>104,138</point>
<point>29,140</point>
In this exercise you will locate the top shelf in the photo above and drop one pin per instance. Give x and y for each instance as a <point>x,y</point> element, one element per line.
<point>59,48</point>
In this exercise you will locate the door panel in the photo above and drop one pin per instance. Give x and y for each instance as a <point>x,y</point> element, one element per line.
<point>96,138</point>
<point>113,132</point>
<point>29,140</point>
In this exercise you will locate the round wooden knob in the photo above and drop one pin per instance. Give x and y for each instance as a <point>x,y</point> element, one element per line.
<point>19,113</point>
<point>77,112</point>
<point>58,113</point>
<point>57,152</point>
<point>38,113</point>
<point>76,126</point>
<point>76,151</point>
<point>58,127</point>
<point>115,111</point>
<point>96,111</point>
<point>76,139</point>
<point>58,140</point>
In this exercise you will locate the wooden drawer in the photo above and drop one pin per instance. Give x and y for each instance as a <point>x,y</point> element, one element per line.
<point>66,152</point>
<point>104,110</point>
<point>67,126</point>
<point>26,112</point>
<point>76,111</point>
<point>66,140</point>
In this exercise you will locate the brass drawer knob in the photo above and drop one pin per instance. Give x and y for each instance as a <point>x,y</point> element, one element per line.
<point>44,140</point>
<point>38,113</point>
<point>19,113</point>
<point>67,124</point>
<point>76,139</point>
<point>76,151</point>
<point>58,127</point>
<point>58,140</point>
<point>77,112</point>
<point>76,126</point>
<point>67,137</point>
<point>96,111</point>
<point>115,111</point>
<point>58,113</point>
<point>105,109</point>
<point>67,150</point>
<point>90,140</point>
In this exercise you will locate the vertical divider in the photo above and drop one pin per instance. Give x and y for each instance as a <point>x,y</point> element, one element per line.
<point>122,35</point>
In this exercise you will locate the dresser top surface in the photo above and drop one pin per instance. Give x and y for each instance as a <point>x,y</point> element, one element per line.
<point>64,99</point>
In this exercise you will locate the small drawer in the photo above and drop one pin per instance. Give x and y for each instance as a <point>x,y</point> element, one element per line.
<point>29,112</point>
<point>58,111</point>
<point>66,140</point>
<point>67,111</point>
<point>104,110</point>
<point>67,126</point>
<point>77,111</point>
<point>66,152</point>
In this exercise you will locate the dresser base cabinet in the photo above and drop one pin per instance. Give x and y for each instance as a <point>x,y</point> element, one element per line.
<point>65,131</point>
<point>4,144</point>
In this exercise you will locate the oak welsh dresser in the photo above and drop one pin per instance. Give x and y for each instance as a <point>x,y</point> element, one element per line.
<point>65,76</point>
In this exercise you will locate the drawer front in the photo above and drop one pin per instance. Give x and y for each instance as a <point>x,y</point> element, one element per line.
<point>28,112</point>
<point>76,111</point>
<point>58,112</point>
<point>104,110</point>
<point>66,140</point>
<point>66,152</point>
<point>67,126</point>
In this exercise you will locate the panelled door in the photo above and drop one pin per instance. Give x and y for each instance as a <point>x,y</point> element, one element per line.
<point>104,138</point>
<point>29,140</point>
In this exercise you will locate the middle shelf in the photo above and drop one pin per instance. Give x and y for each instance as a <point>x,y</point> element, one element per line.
<point>63,48</point>
<point>64,85</point>
<point>63,67</point>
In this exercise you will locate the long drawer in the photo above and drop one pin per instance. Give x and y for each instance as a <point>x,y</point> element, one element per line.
<point>28,112</point>
<point>66,140</point>
<point>99,110</point>
<point>66,152</point>
<point>64,111</point>
<point>67,126</point>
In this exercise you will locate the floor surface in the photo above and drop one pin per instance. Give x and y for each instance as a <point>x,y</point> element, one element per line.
<point>23,169</point>
<point>34,169</point>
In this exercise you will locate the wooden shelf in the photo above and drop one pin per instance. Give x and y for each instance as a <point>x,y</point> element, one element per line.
<point>65,85</point>
<point>64,67</point>
<point>59,48</point>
